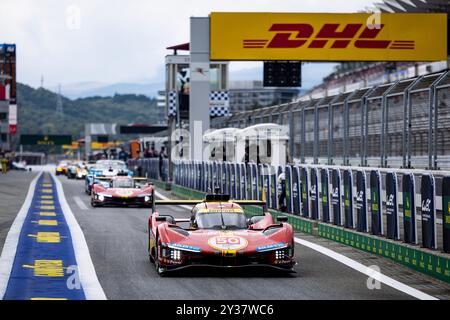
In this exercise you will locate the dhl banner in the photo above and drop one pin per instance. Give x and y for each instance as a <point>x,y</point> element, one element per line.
<point>329,36</point>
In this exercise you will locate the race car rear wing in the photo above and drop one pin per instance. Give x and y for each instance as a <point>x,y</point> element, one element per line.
<point>110,178</point>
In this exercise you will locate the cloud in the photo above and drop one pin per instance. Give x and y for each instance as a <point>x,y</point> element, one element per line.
<point>117,40</point>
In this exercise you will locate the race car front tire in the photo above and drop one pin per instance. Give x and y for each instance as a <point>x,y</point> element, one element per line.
<point>150,253</point>
<point>94,204</point>
<point>159,269</point>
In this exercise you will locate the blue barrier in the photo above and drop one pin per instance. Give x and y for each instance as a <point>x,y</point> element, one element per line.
<point>336,197</point>
<point>296,190</point>
<point>376,205</point>
<point>348,199</point>
<point>325,182</point>
<point>314,193</point>
<point>305,192</point>
<point>428,209</point>
<point>392,218</point>
<point>362,224</point>
<point>409,209</point>
<point>332,204</point>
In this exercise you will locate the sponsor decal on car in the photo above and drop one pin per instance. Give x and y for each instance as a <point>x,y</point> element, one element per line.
<point>270,247</point>
<point>184,247</point>
<point>226,243</point>
<point>124,193</point>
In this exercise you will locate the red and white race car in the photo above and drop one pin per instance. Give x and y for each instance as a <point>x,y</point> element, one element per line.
<point>220,235</point>
<point>122,191</point>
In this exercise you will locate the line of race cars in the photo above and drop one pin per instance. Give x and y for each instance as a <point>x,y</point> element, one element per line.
<point>217,234</point>
<point>72,169</point>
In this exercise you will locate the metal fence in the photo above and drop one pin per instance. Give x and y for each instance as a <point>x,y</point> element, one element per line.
<point>404,124</point>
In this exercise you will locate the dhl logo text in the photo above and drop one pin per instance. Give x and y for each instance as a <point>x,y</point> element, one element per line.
<point>296,35</point>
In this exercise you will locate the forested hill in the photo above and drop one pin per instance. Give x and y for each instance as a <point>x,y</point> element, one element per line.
<point>37,111</point>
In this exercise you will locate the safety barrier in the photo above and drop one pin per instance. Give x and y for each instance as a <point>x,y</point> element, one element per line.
<point>392,213</point>
<point>366,200</point>
<point>432,263</point>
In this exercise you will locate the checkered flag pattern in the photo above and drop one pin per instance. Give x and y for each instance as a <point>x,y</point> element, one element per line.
<point>172,112</point>
<point>219,104</point>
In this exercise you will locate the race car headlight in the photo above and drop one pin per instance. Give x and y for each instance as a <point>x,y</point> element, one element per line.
<point>102,197</point>
<point>279,254</point>
<point>283,254</point>
<point>175,254</point>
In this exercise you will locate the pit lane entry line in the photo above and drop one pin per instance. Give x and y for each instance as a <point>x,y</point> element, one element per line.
<point>352,264</point>
<point>369,272</point>
<point>88,277</point>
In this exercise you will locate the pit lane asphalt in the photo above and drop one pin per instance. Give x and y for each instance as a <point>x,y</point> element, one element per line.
<point>13,190</point>
<point>117,241</point>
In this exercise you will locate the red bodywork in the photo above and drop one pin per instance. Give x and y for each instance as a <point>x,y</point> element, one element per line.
<point>264,243</point>
<point>139,195</point>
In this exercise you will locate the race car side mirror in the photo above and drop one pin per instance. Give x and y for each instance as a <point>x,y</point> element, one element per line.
<point>161,219</point>
<point>282,219</point>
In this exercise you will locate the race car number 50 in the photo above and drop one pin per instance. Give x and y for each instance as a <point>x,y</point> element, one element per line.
<point>227,242</point>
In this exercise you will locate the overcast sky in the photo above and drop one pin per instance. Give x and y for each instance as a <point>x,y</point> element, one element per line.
<point>118,40</point>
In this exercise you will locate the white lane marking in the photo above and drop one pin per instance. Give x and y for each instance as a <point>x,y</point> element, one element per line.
<point>88,277</point>
<point>354,265</point>
<point>367,271</point>
<point>80,203</point>
<point>12,239</point>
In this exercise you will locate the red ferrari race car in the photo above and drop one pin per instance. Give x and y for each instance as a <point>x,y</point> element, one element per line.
<point>219,235</point>
<point>122,191</point>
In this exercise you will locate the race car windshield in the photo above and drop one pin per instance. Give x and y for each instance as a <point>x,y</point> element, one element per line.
<point>221,220</point>
<point>123,183</point>
<point>118,166</point>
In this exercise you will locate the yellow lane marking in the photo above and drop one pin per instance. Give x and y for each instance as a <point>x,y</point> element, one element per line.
<point>47,185</point>
<point>47,214</point>
<point>46,222</point>
<point>47,202</point>
<point>46,190</point>
<point>52,299</point>
<point>47,268</point>
<point>47,237</point>
<point>46,197</point>
<point>47,207</point>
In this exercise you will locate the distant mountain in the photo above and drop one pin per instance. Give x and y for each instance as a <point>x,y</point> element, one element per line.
<point>312,74</point>
<point>37,111</point>
<point>90,89</point>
